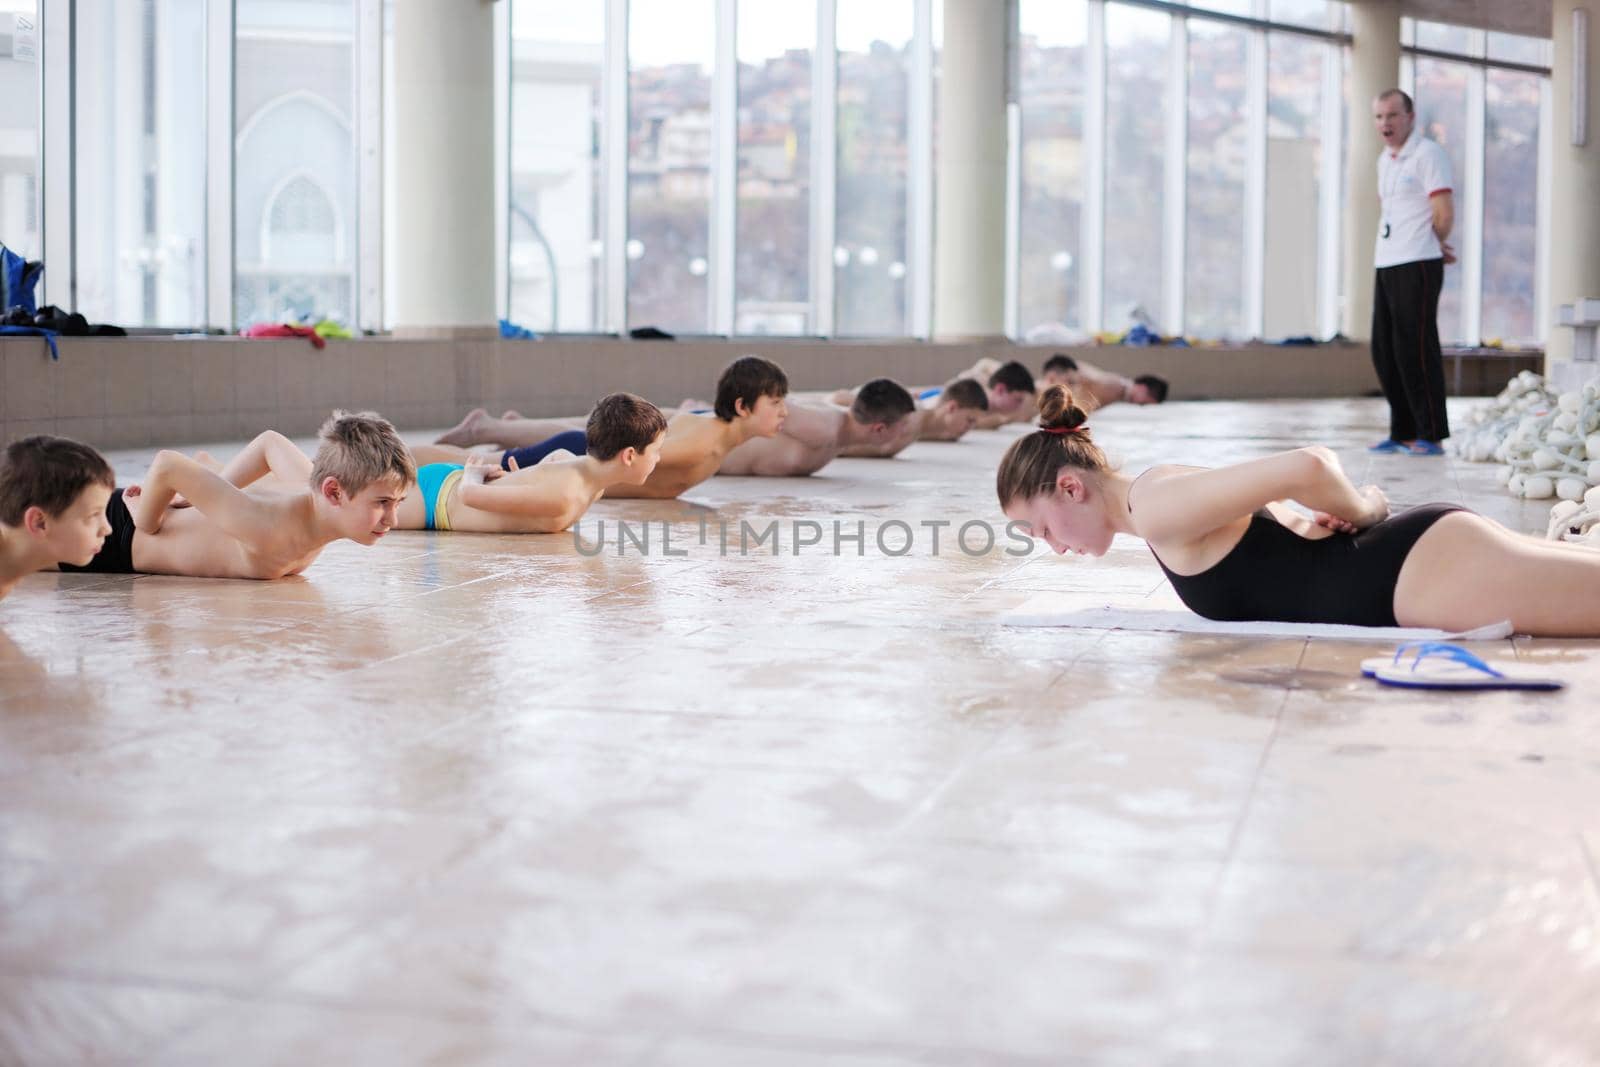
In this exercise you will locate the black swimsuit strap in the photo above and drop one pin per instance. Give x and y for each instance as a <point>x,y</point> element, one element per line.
<point>1133,483</point>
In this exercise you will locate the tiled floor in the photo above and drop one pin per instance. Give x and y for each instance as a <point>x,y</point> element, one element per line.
<point>462,799</point>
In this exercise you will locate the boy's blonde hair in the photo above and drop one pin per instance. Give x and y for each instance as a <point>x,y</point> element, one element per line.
<point>359,449</point>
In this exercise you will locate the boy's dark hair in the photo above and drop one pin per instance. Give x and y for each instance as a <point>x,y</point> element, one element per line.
<point>1014,376</point>
<point>1157,386</point>
<point>1060,362</point>
<point>882,400</point>
<point>48,472</point>
<point>360,448</point>
<point>620,421</point>
<point>748,378</point>
<point>967,394</point>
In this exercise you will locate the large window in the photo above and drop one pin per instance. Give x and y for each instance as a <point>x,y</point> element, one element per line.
<point>1294,183</point>
<point>557,58</point>
<point>870,252</point>
<point>1052,61</point>
<point>1510,233</point>
<point>1443,37</point>
<point>295,167</point>
<point>1136,46</point>
<point>773,290</point>
<point>1441,106</point>
<point>140,154</point>
<point>1210,155</point>
<point>19,127</point>
<point>1318,14</point>
<point>671,51</point>
<point>1217,161</point>
<point>1514,48</point>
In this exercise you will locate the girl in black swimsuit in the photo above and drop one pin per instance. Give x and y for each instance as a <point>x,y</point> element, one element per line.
<point>1234,550</point>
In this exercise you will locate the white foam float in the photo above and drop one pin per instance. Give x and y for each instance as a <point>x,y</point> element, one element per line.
<point>1548,445</point>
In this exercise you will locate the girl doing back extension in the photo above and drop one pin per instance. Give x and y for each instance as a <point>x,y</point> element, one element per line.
<point>1234,549</point>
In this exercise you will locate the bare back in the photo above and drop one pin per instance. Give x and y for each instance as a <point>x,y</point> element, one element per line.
<point>808,442</point>
<point>1098,384</point>
<point>189,543</point>
<point>691,452</point>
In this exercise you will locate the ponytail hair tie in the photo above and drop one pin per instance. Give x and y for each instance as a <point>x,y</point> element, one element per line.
<point>1061,431</point>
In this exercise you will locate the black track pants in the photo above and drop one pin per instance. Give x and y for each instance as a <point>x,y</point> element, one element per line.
<point>1405,349</point>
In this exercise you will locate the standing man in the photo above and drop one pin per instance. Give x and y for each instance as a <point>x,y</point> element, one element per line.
<point>1418,211</point>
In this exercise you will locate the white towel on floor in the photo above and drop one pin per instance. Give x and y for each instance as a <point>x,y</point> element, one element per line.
<point>1046,609</point>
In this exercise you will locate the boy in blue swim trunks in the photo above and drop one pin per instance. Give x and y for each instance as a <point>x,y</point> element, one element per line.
<point>622,445</point>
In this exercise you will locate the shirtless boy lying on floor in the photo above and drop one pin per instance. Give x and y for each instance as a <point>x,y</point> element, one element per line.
<point>750,402</point>
<point>350,489</point>
<point>880,422</point>
<point>469,491</point>
<point>1101,386</point>
<point>53,497</point>
<point>944,412</point>
<point>1008,388</point>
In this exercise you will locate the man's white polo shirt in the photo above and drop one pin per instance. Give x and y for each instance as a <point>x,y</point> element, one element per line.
<point>1407,182</point>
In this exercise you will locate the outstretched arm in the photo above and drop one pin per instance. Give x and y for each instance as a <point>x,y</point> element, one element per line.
<point>231,508</point>
<point>270,453</point>
<point>1181,508</point>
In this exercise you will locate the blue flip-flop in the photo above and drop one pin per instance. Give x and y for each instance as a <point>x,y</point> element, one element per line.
<point>1424,448</point>
<point>1388,444</point>
<point>1437,665</point>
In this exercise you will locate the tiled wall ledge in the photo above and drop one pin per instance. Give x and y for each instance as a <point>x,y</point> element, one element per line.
<point>130,392</point>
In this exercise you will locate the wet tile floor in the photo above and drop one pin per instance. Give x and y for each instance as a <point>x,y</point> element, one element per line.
<point>464,799</point>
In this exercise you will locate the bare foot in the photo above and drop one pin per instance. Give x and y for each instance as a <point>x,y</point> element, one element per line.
<point>207,460</point>
<point>465,433</point>
<point>511,415</point>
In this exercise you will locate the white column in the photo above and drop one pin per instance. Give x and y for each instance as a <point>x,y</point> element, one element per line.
<point>1574,174</point>
<point>58,189</point>
<point>824,157</point>
<point>1468,237</point>
<point>444,155</point>
<point>614,168</point>
<point>919,174</point>
<point>1331,202</point>
<point>721,292</point>
<point>970,243</point>
<point>368,76</point>
<point>1092,220</point>
<point>219,166</point>
<point>1175,180</point>
<point>1374,67</point>
<point>1254,318</point>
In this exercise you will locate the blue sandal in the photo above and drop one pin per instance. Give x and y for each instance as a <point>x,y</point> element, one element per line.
<point>1437,665</point>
